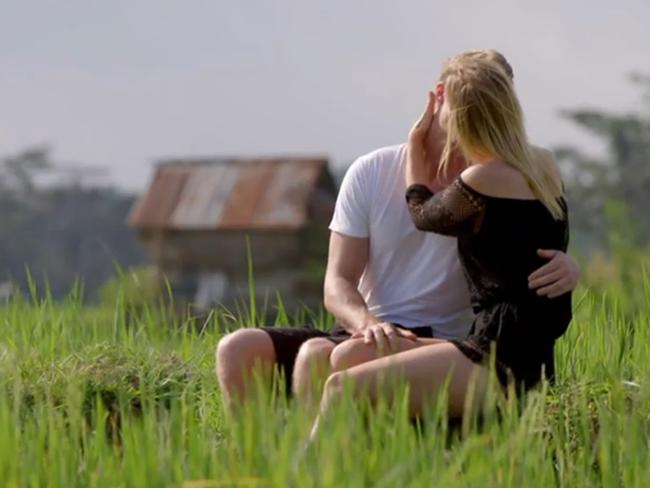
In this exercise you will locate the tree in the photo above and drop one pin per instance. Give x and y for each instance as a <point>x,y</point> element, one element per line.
<point>18,171</point>
<point>623,176</point>
<point>63,230</point>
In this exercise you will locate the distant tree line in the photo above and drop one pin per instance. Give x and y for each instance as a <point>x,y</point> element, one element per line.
<point>612,191</point>
<point>59,226</point>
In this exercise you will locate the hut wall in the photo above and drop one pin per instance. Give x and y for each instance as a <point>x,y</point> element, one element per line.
<point>221,250</point>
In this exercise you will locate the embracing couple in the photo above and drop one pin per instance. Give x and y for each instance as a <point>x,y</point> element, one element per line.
<point>446,255</point>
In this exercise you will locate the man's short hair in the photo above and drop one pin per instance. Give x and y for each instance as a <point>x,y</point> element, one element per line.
<point>491,55</point>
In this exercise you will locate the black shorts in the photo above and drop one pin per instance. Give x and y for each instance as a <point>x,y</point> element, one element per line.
<point>287,342</point>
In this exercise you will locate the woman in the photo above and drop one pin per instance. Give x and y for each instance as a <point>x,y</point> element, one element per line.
<point>507,204</point>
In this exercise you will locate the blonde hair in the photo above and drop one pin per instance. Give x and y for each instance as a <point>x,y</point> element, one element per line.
<point>486,119</point>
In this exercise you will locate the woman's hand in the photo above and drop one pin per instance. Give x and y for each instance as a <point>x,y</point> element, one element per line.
<point>416,153</point>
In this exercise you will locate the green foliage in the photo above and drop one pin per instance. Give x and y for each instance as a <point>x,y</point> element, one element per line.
<point>119,378</point>
<point>135,290</point>
<point>89,398</point>
<point>315,245</point>
<point>620,276</point>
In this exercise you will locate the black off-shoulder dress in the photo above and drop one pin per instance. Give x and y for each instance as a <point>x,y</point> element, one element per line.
<point>498,239</point>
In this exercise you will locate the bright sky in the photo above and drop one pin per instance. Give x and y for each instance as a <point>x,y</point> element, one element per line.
<point>122,83</point>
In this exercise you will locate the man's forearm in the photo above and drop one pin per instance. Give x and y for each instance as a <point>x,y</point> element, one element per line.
<point>343,300</point>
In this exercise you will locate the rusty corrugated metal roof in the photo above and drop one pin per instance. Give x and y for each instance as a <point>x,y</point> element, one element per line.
<point>228,194</point>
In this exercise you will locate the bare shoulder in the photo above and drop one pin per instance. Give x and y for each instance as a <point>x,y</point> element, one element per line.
<point>497,179</point>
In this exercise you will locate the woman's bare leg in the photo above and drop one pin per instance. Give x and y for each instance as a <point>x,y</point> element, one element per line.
<point>318,357</point>
<point>426,370</point>
<point>353,352</point>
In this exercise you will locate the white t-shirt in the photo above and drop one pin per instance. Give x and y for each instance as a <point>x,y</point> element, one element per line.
<point>412,278</point>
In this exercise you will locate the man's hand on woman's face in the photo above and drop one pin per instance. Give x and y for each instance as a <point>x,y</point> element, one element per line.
<point>557,277</point>
<point>383,335</point>
<point>417,138</point>
<point>422,157</point>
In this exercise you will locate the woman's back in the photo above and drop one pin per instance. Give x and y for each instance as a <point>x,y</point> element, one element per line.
<point>511,227</point>
<point>499,235</point>
<point>501,251</point>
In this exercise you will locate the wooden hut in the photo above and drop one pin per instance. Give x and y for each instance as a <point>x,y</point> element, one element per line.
<point>201,220</point>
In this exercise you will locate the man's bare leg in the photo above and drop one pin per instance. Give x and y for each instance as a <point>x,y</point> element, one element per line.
<point>242,358</point>
<point>311,369</point>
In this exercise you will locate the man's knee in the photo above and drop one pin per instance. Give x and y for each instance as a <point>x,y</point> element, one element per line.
<point>311,368</point>
<point>240,351</point>
<point>314,351</point>
<point>350,353</point>
<point>312,361</point>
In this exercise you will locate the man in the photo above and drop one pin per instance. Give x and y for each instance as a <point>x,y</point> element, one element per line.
<point>381,272</point>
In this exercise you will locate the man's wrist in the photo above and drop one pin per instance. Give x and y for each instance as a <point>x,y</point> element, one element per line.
<point>370,321</point>
<point>361,325</point>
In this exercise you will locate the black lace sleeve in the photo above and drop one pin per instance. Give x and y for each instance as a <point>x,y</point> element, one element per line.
<point>452,211</point>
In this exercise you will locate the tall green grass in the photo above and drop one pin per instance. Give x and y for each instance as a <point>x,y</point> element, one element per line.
<point>98,396</point>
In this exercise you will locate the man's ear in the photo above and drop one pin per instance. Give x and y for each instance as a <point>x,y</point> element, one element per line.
<point>440,91</point>
<point>439,94</point>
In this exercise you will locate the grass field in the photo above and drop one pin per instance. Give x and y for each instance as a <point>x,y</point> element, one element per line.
<point>96,397</point>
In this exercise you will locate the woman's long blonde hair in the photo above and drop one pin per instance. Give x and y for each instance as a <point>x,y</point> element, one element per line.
<point>486,120</point>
